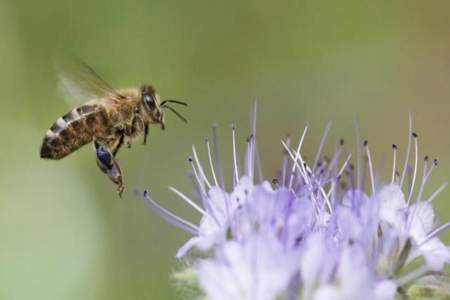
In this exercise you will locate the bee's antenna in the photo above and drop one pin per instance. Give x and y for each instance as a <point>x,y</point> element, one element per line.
<point>174,111</point>
<point>174,101</point>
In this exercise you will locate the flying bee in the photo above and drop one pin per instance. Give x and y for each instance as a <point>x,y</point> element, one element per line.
<point>107,117</point>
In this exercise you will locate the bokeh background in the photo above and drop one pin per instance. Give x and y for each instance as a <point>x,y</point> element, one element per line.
<point>64,233</point>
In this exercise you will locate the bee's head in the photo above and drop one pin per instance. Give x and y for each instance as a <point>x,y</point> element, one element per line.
<point>151,103</point>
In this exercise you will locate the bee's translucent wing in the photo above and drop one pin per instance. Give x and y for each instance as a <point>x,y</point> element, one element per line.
<point>79,83</point>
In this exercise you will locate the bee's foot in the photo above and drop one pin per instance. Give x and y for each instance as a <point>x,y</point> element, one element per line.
<point>120,190</point>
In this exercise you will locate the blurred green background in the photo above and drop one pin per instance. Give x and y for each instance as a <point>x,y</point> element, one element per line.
<point>64,234</point>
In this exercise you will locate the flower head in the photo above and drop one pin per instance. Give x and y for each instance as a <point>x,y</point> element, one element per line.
<point>314,232</point>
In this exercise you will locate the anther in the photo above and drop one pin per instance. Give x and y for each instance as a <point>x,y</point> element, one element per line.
<point>426,158</point>
<point>341,142</point>
<point>190,159</point>
<point>394,146</point>
<point>414,135</point>
<point>435,162</point>
<point>365,143</point>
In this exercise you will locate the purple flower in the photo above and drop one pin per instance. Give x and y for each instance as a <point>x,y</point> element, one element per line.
<point>313,232</point>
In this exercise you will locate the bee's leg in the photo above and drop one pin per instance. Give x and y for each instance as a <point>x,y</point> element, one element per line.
<point>116,143</point>
<point>137,126</point>
<point>109,166</point>
<point>145,133</point>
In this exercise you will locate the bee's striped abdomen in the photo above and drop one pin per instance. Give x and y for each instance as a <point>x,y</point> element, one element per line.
<point>74,130</point>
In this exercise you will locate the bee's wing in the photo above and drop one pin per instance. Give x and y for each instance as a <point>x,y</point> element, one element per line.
<point>79,83</point>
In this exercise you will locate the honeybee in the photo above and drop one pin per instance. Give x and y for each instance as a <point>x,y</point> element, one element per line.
<point>107,117</point>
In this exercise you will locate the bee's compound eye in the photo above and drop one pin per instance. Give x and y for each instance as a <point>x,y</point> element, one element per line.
<point>148,99</point>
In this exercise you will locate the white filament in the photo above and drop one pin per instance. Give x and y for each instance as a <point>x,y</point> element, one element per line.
<point>191,203</point>
<point>297,155</point>
<point>333,184</point>
<point>211,164</point>
<point>236,173</point>
<point>394,163</point>
<point>322,144</point>
<point>422,184</point>
<point>372,178</point>
<point>416,161</point>
<point>408,150</point>
<point>437,192</point>
<point>200,182</point>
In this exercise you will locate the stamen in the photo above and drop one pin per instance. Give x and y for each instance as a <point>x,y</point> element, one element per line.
<point>191,203</point>
<point>344,165</point>
<point>428,171</point>
<point>331,166</point>
<point>416,161</point>
<point>433,165</point>
<point>200,168</point>
<point>236,173</point>
<point>333,183</point>
<point>321,145</point>
<point>197,189</point>
<point>169,216</point>
<point>255,159</point>
<point>211,162</point>
<point>199,182</point>
<point>297,154</point>
<point>394,163</point>
<point>327,199</point>
<point>422,184</point>
<point>302,171</point>
<point>435,233</point>
<point>437,192</point>
<point>372,178</point>
<point>217,156</point>
<point>285,162</point>
<point>300,167</point>
<point>408,150</point>
<point>358,154</point>
<point>258,164</point>
<point>250,156</point>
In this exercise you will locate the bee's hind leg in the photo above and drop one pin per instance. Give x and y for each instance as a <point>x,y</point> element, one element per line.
<point>109,166</point>
<point>117,143</point>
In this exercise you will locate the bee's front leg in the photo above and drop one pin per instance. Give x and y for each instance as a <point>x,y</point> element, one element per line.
<point>109,166</point>
<point>145,133</point>
<point>137,126</point>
